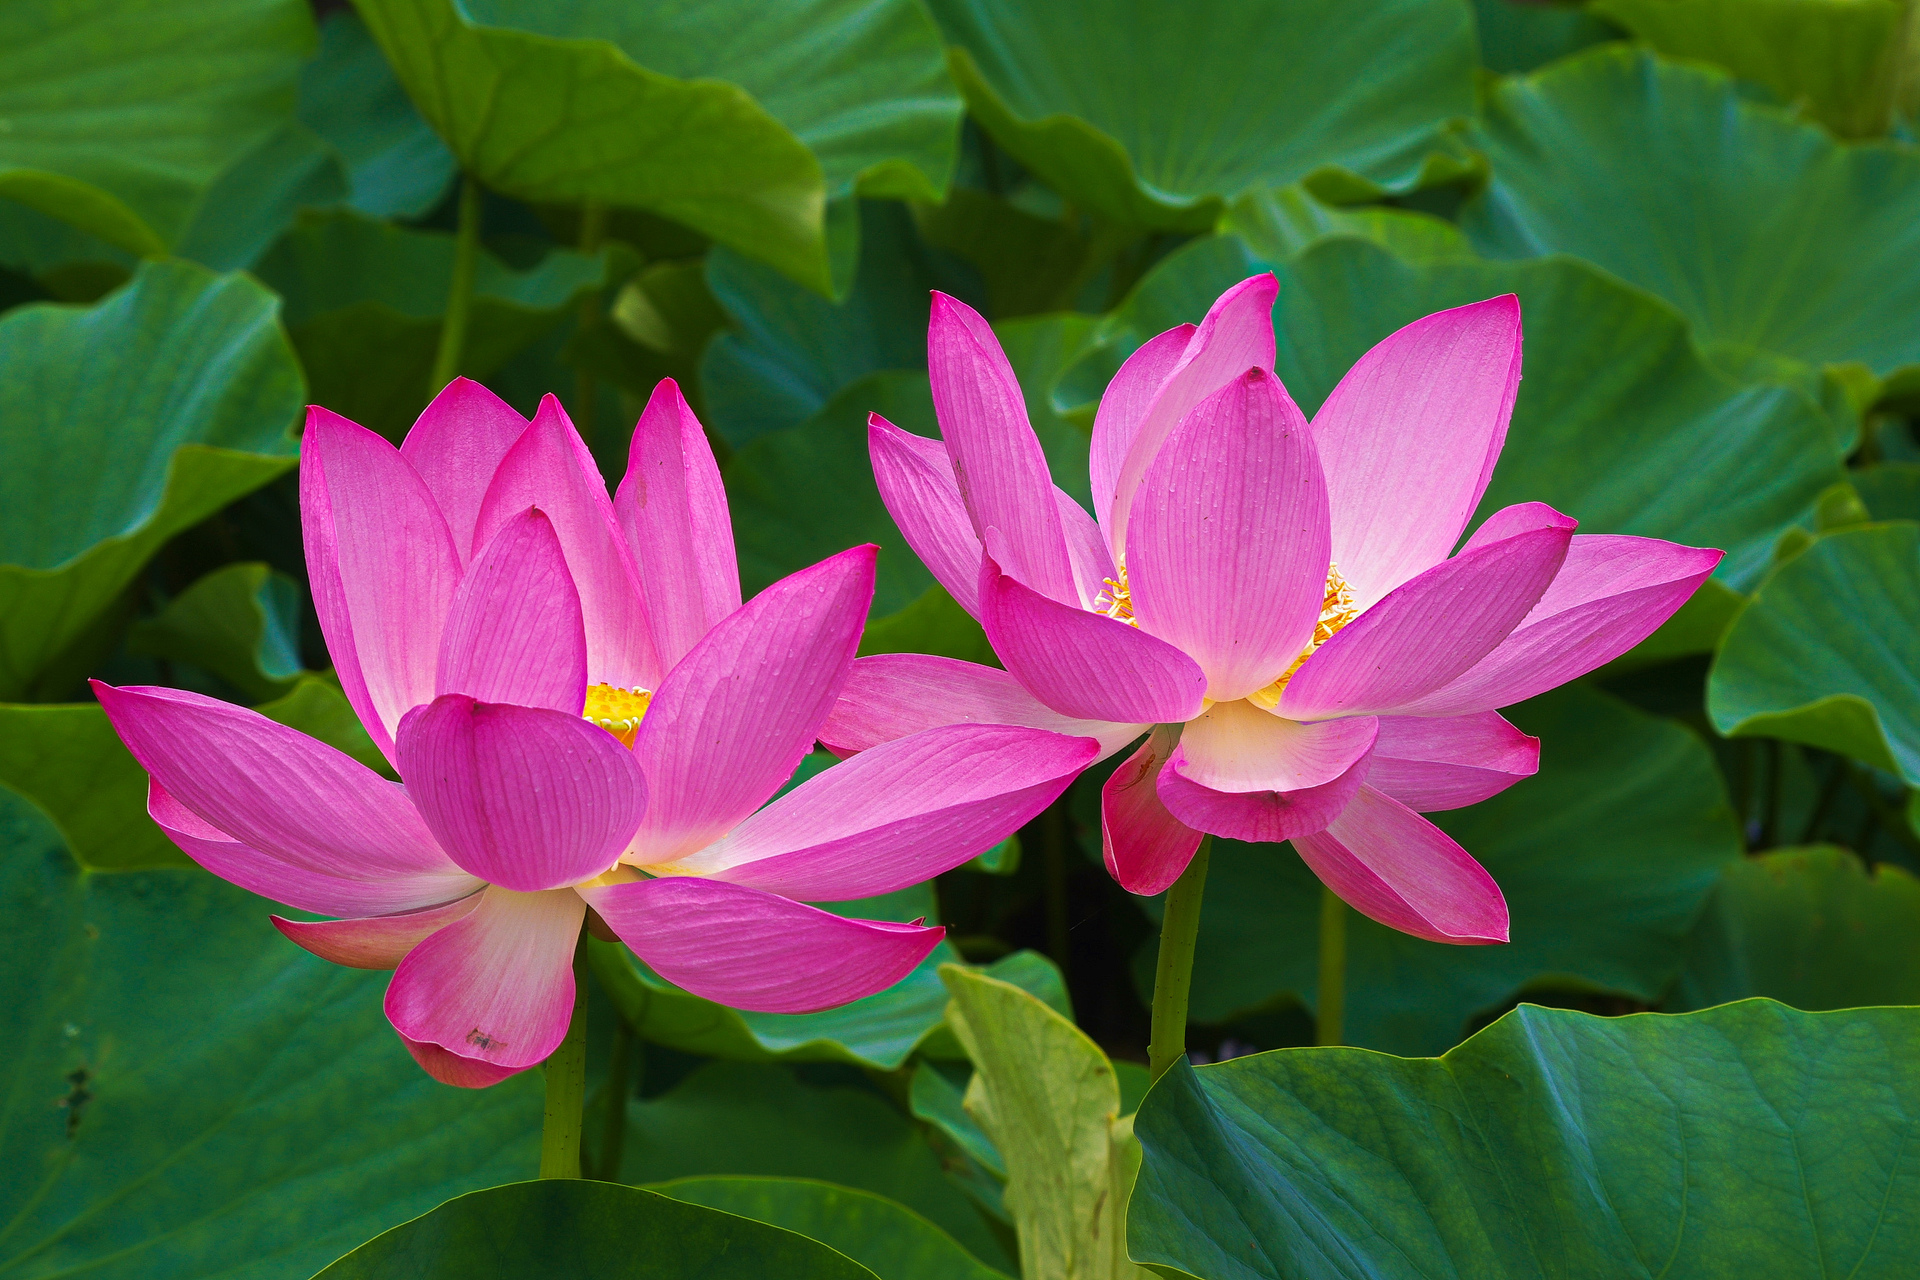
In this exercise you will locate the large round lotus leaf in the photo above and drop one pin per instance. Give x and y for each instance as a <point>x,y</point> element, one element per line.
<point>1750,1140</point>
<point>127,422</point>
<point>1828,653</point>
<point>1764,231</point>
<point>1154,115</point>
<point>192,1095</point>
<point>396,165</point>
<point>1604,857</point>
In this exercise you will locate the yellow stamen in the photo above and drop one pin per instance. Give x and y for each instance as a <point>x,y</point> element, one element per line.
<point>617,710</point>
<point>1337,609</point>
<point>1115,599</point>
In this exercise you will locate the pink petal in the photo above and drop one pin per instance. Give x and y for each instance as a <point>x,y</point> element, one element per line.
<point>1228,550</point>
<point>286,795</point>
<point>730,722</point>
<point>897,814</point>
<point>383,567</point>
<point>1427,631</point>
<point>272,876</point>
<point>1256,815</point>
<point>1235,336</point>
<point>758,951</point>
<point>523,797</point>
<point>1145,847</point>
<point>1521,517</point>
<point>373,942</point>
<point>1612,593</point>
<point>1392,865</point>
<point>674,512</point>
<point>455,446</point>
<point>1409,439</point>
<point>451,1068</point>
<point>549,468</point>
<point>1084,664</point>
<point>1449,762</point>
<point>496,985</point>
<point>1123,407</point>
<point>892,695</point>
<point>514,633</point>
<point>915,479</point>
<point>1236,746</point>
<point>1087,553</point>
<point>997,460</point>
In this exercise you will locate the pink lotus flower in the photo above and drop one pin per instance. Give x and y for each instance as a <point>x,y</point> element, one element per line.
<point>584,714</point>
<point>1271,602</point>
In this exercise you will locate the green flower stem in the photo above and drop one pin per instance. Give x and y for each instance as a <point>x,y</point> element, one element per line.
<point>1173,978</point>
<point>613,1125</point>
<point>567,1084</point>
<point>466,259</point>
<point>1329,1026</point>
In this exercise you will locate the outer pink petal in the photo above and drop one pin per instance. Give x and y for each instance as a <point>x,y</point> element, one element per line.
<point>1427,631</point>
<point>1228,552</point>
<point>496,985</point>
<point>916,481</point>
<point>514,633</point>
<point>1235,336</point>
<point>1144,845</point>
<point>272,876</point>
<point>1257,815</point>
<point>1389,863</point>
<point>1086,665</point>
<point>1235,746</point>
<point>1521,517</point>
<point>758,951</point>
<point>1612,593</point>
<point>373,942</point>
<point>549,468</point>
<point>456,445</point>
<point>521,796</point>
<point>1123,407</point>
<point>997,459</point>
<point>1409,439</point>
<point>275,789</point>
<point>898,814</point>
<point>1450,762</point>
<point>674,512</point>
<point>892,695</point>
<point>730,722</point>
<point>451,1068</point>
<point>383,567</point>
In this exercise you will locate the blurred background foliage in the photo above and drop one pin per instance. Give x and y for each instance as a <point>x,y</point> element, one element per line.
<point>213,213</point>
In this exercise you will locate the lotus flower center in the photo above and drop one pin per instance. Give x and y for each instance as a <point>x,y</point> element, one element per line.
<point>1337,609</point>
<point>617,710</point>
<point>1114,598</point>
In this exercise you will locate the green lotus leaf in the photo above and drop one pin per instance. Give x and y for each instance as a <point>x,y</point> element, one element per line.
<point>241,622</point>
<point>1521,35</point>
<point>396,165</point>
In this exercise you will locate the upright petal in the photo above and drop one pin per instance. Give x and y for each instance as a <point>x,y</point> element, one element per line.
<point>673,510</point>
<point>898,814</point>
<point>523,797</point>
<point>374,942</point>
<point>549,468</point>
<point>1228,554</point>
<point>456,445</point>
<point>1257,814</point>
<point>383,567</point>
<point>893,695</point>
<point>1612,593</point>
<point>1123,407</point>
<point>1409,439</point>
<point>1086,665</point>
<point>495,986</point>
<point>997,460</point>
<point>514,633</point>
<point>1087,553</point>
<point>1145,847</point>
<point>916,481</point>
<point>1235,336</point>
<point>1236,746</point>
<point>752,950</point>
<point>275,789</point>
<point>1427,631</point>
<point>1449,762</point>
<point>280,879</point>
<point>1389,863</point>
<point>730,722</point>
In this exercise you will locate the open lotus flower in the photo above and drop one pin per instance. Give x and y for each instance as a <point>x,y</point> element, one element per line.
<point>1272,603</point>
<point>583,714</point>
